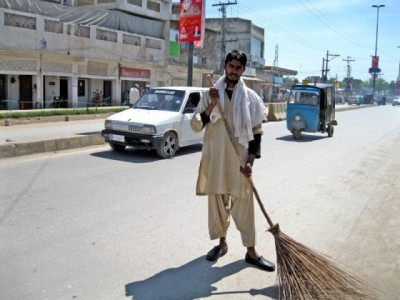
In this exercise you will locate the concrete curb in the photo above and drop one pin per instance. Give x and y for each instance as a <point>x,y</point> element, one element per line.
<point>14,149</point>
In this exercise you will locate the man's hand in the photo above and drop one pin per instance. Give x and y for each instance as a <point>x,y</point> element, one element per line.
<point>247,170</point>
<point>214,94</point>
<point>213,100</point>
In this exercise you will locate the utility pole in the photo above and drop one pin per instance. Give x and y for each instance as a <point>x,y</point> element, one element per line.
<point>376,48</point>
<point>398,80</point>
<point>223,46</point>
<point>325,61</point>
<point>348,78</point>
<point>190,64</point>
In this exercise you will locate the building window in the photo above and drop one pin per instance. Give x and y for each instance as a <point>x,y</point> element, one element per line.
<point>81,88</point>
<point>256,47</point>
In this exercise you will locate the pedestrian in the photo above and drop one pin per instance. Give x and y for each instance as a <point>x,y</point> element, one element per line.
<point>100,98</point>
<point>221,176</point>
<point>134,94</point>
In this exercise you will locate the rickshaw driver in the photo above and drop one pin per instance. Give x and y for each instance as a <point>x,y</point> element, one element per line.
<point>308,99</point>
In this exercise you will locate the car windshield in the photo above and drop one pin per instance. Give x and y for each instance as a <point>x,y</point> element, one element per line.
<point>161,99</point>
<point>306,97</point>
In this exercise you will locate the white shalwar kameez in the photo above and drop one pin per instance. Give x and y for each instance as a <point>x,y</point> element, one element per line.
<point>219,177</point>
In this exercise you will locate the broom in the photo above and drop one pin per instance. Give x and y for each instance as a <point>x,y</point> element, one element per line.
<point>303,273</point>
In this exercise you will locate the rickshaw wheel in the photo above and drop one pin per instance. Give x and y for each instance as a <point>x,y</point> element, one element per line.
<point>330,130</point>
<point>296,134</point>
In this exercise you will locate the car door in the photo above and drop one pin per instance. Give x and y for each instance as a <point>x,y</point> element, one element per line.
<point>188,135</point>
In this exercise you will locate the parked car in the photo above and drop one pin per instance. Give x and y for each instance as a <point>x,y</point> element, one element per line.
<point>339,99</point>
<point>159,120</point>
<point>356,100</point>
<point>396,101</point>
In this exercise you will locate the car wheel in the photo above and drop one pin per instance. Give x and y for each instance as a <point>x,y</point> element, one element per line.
<point>169,145</point>
<point>296,134</point>
<point>330,130</point>
<point>117,147</point>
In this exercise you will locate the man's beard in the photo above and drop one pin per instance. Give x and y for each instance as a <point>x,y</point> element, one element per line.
<point>231,81</point>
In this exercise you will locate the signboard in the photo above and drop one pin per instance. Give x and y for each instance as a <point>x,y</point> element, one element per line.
<point>375,62</point>
<point>190,20</point>
<point>134,73</point>
<point>374,70</point>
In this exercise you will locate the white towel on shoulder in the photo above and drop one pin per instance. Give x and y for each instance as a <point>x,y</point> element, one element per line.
<point>248,110</point>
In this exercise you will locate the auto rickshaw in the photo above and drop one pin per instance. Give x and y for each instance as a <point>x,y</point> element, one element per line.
<point>311,108</point>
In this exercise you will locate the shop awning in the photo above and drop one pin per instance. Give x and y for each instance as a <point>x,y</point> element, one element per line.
<point>280,71</point>
<point>252,78</point>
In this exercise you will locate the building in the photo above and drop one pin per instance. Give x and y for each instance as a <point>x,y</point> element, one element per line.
<point>50,50</point>
<point>237,33</point>
<point>79,49</point>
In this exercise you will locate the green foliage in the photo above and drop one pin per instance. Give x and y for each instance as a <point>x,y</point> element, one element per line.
<point>357,84</point>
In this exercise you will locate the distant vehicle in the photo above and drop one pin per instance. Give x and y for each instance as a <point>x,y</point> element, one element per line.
<point>311,108</point>
<point>396,101</point>
<point>159,120</point>
<point>380,100</point>
<point>368,99</point>
<point>356,100</point>
<point>339,99</point>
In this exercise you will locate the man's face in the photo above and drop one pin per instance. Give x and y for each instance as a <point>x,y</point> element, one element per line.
<point>233,70</point>
<point>186,4</point>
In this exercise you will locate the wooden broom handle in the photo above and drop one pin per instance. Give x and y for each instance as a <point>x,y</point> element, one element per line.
<point>233,141</point>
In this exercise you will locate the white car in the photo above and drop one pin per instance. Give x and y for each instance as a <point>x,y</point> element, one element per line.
<point>396,101</point>
<point>159,120</point>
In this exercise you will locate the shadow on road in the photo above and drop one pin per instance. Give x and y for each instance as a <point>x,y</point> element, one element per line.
<point>191,281</point>
<point>143,156</point>
<point>304,138</point>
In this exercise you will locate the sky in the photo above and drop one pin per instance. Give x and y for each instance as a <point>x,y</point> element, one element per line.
<point>304,31</point>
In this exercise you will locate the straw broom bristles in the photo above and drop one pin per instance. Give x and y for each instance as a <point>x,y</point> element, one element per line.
<point>303,273</point>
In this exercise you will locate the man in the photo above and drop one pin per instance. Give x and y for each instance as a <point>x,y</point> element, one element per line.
<point>221,175</point>
<point>134,94</point>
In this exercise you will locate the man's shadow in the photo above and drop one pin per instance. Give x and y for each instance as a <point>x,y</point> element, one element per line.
<point>192,280</point>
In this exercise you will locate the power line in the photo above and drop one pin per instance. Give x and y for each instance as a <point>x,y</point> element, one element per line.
<point>223,10</point>
<point>278,29</point>
<point>341,33</point>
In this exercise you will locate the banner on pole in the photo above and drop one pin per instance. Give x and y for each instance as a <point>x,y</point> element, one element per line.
<point>190,20</point>
<point>199,44</point>
<point>375,62</point>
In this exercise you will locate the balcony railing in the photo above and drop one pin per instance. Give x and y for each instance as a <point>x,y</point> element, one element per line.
<point>57,37</point>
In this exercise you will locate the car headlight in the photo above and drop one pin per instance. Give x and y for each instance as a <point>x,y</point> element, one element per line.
<point>108,124</point>
<point>297,118</point>
<point>148,129</point>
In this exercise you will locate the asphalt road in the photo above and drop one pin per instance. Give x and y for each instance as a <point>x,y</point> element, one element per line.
<point>91,223</point>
